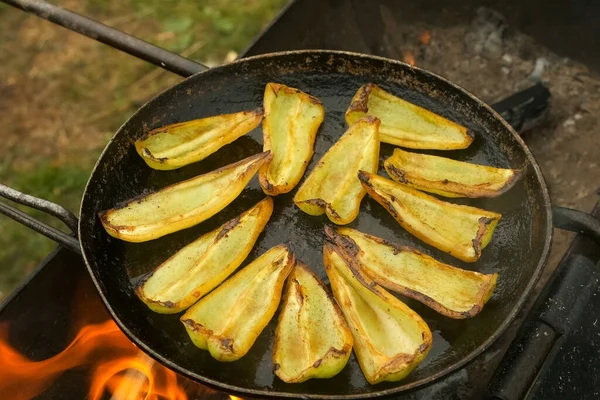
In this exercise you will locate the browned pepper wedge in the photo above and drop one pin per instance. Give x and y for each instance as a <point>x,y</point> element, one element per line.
<point>292,119</point>
<point>448,177</point>
<point>390,339</point>
<point>333,187</point>
<point>451,291</point>
<point>181,205</point>
<point>173,146</point>
<point>228,320</point>
<point>461,231</point>
<point>405,124</point>
<point>312,339</point>
<point>202,265</point>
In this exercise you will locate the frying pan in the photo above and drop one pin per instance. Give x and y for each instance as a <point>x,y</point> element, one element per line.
<point>518,251</point>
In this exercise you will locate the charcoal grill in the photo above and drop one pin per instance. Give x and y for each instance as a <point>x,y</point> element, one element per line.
<point>534,364</point>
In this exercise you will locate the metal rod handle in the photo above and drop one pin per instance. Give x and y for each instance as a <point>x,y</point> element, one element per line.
<point>50,232</point>
<point>576,221</point>
<point>119,40</point>
<point>66,216</point>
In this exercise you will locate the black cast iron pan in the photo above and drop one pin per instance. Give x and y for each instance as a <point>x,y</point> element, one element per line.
<point>518,251</point>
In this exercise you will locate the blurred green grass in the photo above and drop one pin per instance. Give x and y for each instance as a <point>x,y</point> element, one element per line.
<point>65,95</point>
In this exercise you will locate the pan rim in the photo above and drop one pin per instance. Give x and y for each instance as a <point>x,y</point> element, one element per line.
<point>545,199</point>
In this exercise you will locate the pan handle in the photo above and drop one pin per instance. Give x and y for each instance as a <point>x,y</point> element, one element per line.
<point>66,216</point>
<point>93,29</point>
<point>576,221</point>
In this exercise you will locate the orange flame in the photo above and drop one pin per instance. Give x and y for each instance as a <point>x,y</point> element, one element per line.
<point>137,377</point>
<point>408,58</point>
<point>119,368</point>
<point>231,397</point>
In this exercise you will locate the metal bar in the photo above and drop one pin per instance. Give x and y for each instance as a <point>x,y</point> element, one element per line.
<point>119,40</point>
<point>525,109</point>
<point>66,216</point>
<point>540,339</point>
<point>519,370</point>
<point>576,221</point>
<point>558,307</point>
<point>50,232</point>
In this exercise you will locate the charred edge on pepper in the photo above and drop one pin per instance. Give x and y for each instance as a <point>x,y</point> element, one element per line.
<point>289,259</point>
<point>418,296</point>
<point>398,248</point>
<point>257,111</point>
<point>403,359</point>
<point>364,178</point>
<point>194,325</point>
<point>316,202</point>
<point>227,343</point>
<point>165,128</point>
<point>290,90</point>
<point>387,204</point>
<point>342,241</point>
<point>338,353</point>
<point>435,305</point>
<point>361,99</point>
<point>228,226</point>
<point>332,212</point>
<point>334,352</point>
<point>104,215</point>
<point>517,174</point>
<point>369,119</point>
<point>422,348</point>
<point>264,155</point>
<point>354,268</point>
<point>274,87</point>
<point>140,293</point>
<point>115,228</point>
<point>476,309</point>
<point>138,286</point>
<point>484,192</point>
<point>299,295</point>
<point>267,185</point>
<point>366,182</point>
<point>149,155</point>
<point>483,225</point>
<point>122,204</point>
<point>490,284</point>
<point>397,173</point>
